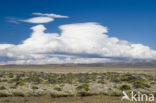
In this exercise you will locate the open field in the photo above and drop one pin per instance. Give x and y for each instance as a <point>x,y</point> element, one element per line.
<point>76,69</point>
<point>73,84</point>
<point>89,99</point>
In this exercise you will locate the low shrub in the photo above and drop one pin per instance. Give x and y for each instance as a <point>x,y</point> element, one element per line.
<point>57,89</point>
<point>4,95</point>
<point>125,87</point>
<point>13,87</point>
<point>83,87</point>
<point>84,94</point>
<point>19,94</point>
<point>140,84</point>
<point>20,83</point>
<point>34,87</point>
<point>2,88</point>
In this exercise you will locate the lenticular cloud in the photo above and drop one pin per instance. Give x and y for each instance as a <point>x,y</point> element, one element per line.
<point>77,43</point>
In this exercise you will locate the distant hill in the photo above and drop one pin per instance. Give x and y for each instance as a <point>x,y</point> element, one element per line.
<point>115,64</point>
<point>108,64</point>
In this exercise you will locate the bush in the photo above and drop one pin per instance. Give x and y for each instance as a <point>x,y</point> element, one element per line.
<point>13,87</point>
<point>10,75</point>
<point>2,88</point>
<point>4,95</point>
<point>20,83</point>
<point>53,95</point>
<point>153,83</point>
<point>125,87</point>
<point>34,87</point>
<point>19,94</point>
<point>83,87</point>
<point>140,84</point>
<point>57,89</point>
<point>84,94</point>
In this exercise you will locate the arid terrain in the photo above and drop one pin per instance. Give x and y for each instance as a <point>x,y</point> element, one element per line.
<point>73,83</point>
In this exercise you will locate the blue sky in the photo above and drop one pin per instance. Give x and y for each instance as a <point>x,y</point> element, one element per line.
<point>131,20</point>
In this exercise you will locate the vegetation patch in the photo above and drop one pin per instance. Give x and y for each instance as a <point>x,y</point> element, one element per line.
<point>125,87</point>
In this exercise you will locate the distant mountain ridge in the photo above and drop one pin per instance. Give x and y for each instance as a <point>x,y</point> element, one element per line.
<point>144,63</point>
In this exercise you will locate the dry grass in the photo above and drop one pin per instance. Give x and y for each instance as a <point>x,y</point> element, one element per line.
<point>74,68</point>
<point>89,99</point>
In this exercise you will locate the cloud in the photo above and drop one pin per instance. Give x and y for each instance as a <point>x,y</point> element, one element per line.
<point>12,20</point>
<point>50,15</point>
<point>77,43</point>
<point>43,18</point>
<point>39,20</point>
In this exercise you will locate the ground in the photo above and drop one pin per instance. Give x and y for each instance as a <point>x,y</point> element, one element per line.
<point>73,84</point>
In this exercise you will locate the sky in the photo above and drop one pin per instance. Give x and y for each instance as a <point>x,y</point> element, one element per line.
<point>76,31</point>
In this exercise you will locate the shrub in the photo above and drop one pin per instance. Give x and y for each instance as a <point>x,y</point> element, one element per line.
<point>46,82</point>
<point>83,94</point>
<point>19,94</point>
<point>62,85</point>
<point>83,87</point>
<point>13,87</point>
<point>125,87</point>
<point>2,88</point>
<point>4,95</point>
<point>20,83</point>
<point>34,87</point>
<point>57,88</point>
<point>140,84</point>
<point>10,75</point>
<point>153,83</point>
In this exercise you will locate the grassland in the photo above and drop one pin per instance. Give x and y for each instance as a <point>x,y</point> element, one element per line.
<point>73,84</point>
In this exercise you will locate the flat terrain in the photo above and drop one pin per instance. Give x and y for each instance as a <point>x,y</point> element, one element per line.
<point>89,99</point>
<point>73,84</point>
<point>76,69</point>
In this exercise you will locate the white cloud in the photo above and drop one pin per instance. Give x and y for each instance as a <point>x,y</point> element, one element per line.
<point>50,15</point>
<point>42,18</point>
<point>77,43</point>
<point>38,20</point>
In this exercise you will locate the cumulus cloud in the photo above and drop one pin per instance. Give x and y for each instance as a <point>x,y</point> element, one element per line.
<point>50,15</point>
<point>77,43</point>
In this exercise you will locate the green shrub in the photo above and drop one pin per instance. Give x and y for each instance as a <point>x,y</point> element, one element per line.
<point>83,87</point>
<point>34,87</point>
<point>19,94</point>
<point>57,89</point>
<point>125,87</point>
<point>46,82</point>
<point>62,85</point>
<point>2,88</point>
<point>4,95</point>
<point>10,75</point>
<point>153,83</point>
<point>20,83</point>
<point>13,87</point>
<point>140,84</point>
